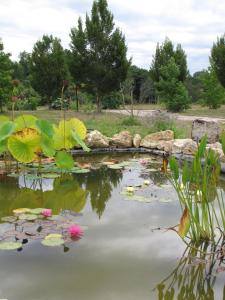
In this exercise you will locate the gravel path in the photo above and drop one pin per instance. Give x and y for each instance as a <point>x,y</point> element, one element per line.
<point>151,113</point>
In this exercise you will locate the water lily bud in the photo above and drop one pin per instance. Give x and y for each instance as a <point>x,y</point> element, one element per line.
<point>47,212</point>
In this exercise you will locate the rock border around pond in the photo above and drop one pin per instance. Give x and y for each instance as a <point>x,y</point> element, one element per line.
<point>160,143</point>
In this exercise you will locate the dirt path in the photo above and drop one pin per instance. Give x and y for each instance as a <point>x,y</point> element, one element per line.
<point>151,113</point>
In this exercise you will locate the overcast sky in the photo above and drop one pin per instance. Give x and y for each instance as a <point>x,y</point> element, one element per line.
<point>193,23</point>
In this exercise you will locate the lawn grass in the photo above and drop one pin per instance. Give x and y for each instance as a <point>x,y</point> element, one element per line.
<point>111,123</point>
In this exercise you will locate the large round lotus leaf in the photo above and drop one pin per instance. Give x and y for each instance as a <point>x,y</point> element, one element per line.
<point>6,129</point>
<point>63,138</point>
<point>47,146</point>
<point>9,219</point>
<point>25,121</point>
<point>64,160</point>
<point>53,242</point>
<point>79,127</point>
<point>21,210</point>
<point>10,245</point>
<point>3,146</point>
<point>45,127</point>
<point>24,145</point>
<point>3,119</point>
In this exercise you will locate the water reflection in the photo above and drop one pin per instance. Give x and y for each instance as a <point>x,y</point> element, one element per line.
<point>68,192</point>
<point>196,274</point>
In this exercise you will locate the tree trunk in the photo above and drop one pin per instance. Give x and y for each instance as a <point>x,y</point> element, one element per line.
<point>132,103</point>
<point>77,99</point>
<point>98,100</point>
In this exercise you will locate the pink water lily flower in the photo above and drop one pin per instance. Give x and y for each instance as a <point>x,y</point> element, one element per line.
<point>47,212</point>
<point>75,231</point>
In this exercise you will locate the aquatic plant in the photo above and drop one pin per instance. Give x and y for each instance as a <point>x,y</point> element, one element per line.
<point>28,139</point>
<point>201,202</point>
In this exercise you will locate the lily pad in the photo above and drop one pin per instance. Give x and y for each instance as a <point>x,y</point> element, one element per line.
<point>21,210</point>
<point>53,236</point>
<point>50,175</point>
<point>9,219</point>
<point>139,198</point>
<point>80,171</point>
<point>36,211</point>
<point>28,217</point>
<point>10,245</point>
<point>53,242</point>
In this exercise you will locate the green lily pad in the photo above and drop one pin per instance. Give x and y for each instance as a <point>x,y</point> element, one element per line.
<point>50,175</point>
<point>53,242</point>
<point>80,171</point>
<point>28,217</point>
<point>36,211</point>
<point>9,219</point>
<point>115,167</point>
<point>10,245</point>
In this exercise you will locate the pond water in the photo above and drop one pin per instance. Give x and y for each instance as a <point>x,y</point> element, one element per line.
<point>126,250</point>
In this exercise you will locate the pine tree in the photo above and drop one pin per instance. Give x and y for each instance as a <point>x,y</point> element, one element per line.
<point>104,51</point>
<point>217,59</point>
<point>171,89</point>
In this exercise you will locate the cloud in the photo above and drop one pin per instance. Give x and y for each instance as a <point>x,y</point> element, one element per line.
<point>194,24</point>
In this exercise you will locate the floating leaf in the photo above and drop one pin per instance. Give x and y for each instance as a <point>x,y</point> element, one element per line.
<point>53,242</point>
<point>184,223</point>
<point>36,211</point>
<point>64,160</point>
<point>79,170</point>
<point>21,210</point>
<point>115,167</point>
<point>9,219</point>
<point>10,245</point>
<point>139,198</point>
<point>50,175</point>
<point>53,236</point>
<point>24,145</point>
<point>28,217</point>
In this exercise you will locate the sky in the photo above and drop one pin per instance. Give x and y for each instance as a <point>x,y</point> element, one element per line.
<point>195,24</point>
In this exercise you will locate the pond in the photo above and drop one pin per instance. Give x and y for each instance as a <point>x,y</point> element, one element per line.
<point>127,248</point>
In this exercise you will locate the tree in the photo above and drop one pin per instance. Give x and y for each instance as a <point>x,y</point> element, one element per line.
<point>213,92</point>
<point>104,50</point>
<point>217,59</point>
<point>193,83</point>
<point>77,57</point>
<point>147,91</point>
<point>5,76</point>
<point>162,56</point>
<point>48,67</point>
<point>172,90</point>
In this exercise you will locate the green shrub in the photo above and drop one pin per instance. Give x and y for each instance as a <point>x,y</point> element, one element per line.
<point>112,101</point>
<point>25,104</point>
<point>130,121</point>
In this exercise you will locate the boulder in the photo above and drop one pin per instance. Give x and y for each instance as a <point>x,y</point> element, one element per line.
<point>217,147</point>
<point>184,146</point>
<point>137,140</point>
<point>95,139</point>
<point>159,145</point>
<point>166,135</point>
<point>123,139</point>
<point>201,127</point>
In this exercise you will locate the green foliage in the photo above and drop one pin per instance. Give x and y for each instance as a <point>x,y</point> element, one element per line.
<point>130,121</point>
<point>196,186</point>
<point>194,86</point>
<point>102,51</point>
<point>171,89</point>
<point>161,125</point>
<point>213,92</point>
<point>217,59</point>
<point>48,67</point>
<point>5,77</point>
<point>112,101</point>
<point>163,55</point>
<point>28,139</point>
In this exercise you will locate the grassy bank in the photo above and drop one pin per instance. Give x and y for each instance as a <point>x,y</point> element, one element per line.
<point>109,123</point>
